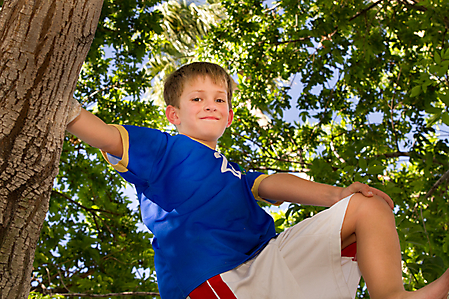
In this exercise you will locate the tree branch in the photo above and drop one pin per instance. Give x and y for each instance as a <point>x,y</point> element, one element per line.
<point>91,210</point>
<point>395,154</point>
<point>443,178</point>
<point>413,6</point>
<point>108,295</point>
<point>365,10</point>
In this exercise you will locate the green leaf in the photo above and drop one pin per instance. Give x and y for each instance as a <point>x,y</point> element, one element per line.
<point>445,98</point>
<point>433,267</point>
<point>442,70</point>
<point>437,58</point>
<point>416,91</point>
<point>445,118</point>
<point>446,55</point>
<point>434,118</point>
<point>425,84</point>
<point>375,169</point>
<point>279,222</point>
<point>362,163</point>
<point>433,110</point>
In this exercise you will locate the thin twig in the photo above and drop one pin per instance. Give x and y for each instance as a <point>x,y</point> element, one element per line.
<point>48,274</point>
<point>62,280</point>
<point>85,99</point>
<point>425,231</point>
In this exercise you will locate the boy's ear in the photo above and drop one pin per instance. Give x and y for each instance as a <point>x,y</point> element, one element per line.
<point>172,115</point>
<point>230,118</point>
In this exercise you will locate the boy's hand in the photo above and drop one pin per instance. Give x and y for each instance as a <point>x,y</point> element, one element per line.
<point>74,110</point>
<point>366,190</point>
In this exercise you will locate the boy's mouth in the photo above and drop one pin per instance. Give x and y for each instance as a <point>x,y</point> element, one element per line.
<point>210,118</point>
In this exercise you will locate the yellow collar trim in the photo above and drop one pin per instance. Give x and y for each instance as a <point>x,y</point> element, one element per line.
<point>199,141</point>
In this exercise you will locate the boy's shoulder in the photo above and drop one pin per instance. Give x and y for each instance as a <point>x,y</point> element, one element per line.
<point>149,141</point>
<point>139,134</point>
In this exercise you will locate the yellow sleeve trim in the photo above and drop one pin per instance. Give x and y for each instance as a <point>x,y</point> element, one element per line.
<point>255,191</point>
<point>122,165</point>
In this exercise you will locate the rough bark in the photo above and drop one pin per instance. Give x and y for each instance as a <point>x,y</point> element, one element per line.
<point>42,47</point>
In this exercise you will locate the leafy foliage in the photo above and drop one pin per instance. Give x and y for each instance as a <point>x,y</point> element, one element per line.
<point>342,91</point>
<point>372,107</point>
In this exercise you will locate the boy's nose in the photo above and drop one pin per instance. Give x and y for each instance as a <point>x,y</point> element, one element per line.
<point>210,106</point>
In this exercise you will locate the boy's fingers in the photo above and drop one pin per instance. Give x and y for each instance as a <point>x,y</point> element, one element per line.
<point>74,110</point>
<point>362,188</point>
<point>370,191</point>
<point>367,193</point>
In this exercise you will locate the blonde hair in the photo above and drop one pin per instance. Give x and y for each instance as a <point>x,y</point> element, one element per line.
<point>175,82</point>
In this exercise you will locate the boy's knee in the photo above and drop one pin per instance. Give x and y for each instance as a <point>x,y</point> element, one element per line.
<point>365,206</point>
<point>365,213</point>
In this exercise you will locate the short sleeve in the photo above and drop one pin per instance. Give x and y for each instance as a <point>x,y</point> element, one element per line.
<point>256,179</point>
<point>141,148</point>
<point>119,164</point>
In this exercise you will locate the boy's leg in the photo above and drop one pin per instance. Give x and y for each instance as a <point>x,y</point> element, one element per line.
<point>299,261</point>
<point>370,222</point>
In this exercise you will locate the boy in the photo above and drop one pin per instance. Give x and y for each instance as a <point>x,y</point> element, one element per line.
<point>212,240</point>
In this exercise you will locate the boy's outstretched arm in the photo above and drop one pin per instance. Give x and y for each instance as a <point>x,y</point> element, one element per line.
<point>290,188</point>
<point>96,133</point>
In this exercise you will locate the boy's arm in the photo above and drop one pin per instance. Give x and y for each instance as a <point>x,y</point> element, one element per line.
<point>96,133</point>
<point>290,188</point>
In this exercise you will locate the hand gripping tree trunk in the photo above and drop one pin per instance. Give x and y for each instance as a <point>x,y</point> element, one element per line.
<point>42,47</point>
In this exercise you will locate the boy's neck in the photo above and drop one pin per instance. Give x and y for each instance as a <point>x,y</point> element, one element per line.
<point>208,144</point>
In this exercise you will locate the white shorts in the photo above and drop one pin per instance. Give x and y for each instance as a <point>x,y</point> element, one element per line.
<point>303,262</point>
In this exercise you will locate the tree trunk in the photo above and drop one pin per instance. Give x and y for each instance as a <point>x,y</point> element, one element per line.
<point>43,44</point>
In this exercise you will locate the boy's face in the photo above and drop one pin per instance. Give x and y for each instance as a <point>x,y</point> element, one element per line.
<point>203,112</point>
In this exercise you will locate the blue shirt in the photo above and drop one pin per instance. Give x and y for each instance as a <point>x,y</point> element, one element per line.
<point>200,207</point>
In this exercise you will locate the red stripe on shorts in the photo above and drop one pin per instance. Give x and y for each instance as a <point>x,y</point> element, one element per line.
<point>350,251</point>
<point>213,288</point>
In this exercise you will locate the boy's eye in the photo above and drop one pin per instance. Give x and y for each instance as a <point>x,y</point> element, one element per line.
<point>196,99</point>
<point>220,100</point>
